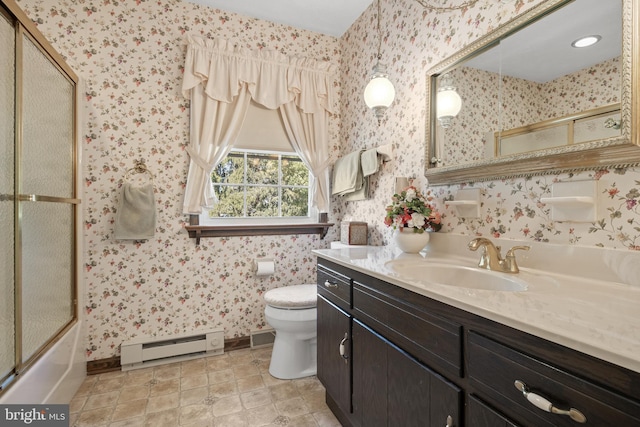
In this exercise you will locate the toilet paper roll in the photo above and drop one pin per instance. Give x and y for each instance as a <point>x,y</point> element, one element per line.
<point>265,268</point>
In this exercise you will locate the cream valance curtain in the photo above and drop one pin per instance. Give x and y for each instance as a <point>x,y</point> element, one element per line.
<point>221,79</point>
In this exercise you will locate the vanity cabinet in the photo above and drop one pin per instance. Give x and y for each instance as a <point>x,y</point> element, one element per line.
<point>391,388</point>
<point>410,360</point>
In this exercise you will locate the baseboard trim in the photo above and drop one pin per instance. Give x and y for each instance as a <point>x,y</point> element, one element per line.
<point>112,364</point>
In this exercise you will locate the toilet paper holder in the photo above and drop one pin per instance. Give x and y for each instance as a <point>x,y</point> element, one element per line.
<point>264,266</point>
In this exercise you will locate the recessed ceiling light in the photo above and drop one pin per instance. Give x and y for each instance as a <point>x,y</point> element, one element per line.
<point>586,41</point>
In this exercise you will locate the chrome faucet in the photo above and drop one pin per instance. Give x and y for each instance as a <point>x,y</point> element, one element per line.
<point>491,259</point>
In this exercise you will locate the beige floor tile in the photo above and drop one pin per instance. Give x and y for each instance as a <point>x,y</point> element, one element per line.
<point>226,405</point>
<point>196,415</point>
<point>101,400</point>
<point>130,409</point>
<point>246,370</point>
<point>255,398</point>
<point>222,376</point>
<point>131,422</point>
<point>229,390</point>
<point>167,372</point>
<point>193,396</point>
<point>193,367</point>
<point>94,417</point>
<point>160,387</point>
<point>193,381</point>
<point>218,363</point>
<point>164,402</point>
<point>107,385</point>
<point>223,389</point>
<point>162,419</point>
<point>262,416</point>
<point>284,391</point>
<point>292,407</point>
<point>134,393</point>
<point>250,383</point>
<point>239,419</point>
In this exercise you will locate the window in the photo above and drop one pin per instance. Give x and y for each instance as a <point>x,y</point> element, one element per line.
<point>260,186</point>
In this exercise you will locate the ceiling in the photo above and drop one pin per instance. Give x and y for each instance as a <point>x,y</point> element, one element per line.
<point>331,17</point>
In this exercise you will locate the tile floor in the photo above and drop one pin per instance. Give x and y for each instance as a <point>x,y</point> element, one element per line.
<point>234,389</point>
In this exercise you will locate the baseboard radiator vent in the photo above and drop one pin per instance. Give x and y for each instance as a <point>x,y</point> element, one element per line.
<point>262,338</point>
<point>144,352</point>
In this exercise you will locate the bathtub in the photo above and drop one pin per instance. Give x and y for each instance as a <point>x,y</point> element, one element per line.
<point>56,376</point>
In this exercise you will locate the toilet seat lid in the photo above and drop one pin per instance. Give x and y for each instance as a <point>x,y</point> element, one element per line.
<point>292,297</point>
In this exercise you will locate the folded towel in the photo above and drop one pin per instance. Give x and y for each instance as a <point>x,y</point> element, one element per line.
<point>347,174</point>
<point>361,194</point>
<point>136,215</point>
<point>369,161</point>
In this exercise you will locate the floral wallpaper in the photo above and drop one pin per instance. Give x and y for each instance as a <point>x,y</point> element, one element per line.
<point>130,55</point>
<point>413,41</point>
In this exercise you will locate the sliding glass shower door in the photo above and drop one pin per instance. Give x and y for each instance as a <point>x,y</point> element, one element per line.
<point>38,201</point>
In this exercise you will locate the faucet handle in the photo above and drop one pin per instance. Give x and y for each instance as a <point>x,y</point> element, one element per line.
<point>510,264</point>
<point>515,248</point>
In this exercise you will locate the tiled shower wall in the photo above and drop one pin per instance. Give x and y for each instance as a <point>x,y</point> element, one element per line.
<point>130,55</point>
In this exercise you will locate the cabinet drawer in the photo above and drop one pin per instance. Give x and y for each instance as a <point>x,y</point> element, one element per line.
<point>335,287</point>
<point>494,368</point>
<point>434,341</point>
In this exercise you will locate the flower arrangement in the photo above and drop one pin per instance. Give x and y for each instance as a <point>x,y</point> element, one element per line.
<point>410,209</point>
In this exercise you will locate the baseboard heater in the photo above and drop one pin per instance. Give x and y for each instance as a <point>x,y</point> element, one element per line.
<point>144,352</point>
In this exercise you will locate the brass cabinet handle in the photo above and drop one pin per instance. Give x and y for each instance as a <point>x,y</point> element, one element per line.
<point>342,347</point>
<point>328,284</point>
<point>544,404</point>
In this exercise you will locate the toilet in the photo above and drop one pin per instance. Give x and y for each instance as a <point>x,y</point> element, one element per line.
<point>291,311</point>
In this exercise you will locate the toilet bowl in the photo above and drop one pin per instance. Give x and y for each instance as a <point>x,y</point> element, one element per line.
<point>291,311</point>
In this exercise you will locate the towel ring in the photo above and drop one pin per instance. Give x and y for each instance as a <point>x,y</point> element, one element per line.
<point>140,167</point>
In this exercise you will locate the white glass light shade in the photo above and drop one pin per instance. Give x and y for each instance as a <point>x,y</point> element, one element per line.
<point>379,92</point>
<point>448,105</point>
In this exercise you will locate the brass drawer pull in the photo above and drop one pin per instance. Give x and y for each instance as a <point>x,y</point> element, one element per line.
<point>545,405</point>
<point>328,284</point>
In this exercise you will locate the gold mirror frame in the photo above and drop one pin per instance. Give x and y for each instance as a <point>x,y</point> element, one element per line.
<point>619,152</point>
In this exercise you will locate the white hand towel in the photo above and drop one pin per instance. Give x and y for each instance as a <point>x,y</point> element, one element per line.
<point>136,215</point>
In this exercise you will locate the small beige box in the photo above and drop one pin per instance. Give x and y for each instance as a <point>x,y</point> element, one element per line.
<point>353,233</point>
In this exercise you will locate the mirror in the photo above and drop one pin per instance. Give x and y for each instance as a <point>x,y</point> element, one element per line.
<point>530,103</point>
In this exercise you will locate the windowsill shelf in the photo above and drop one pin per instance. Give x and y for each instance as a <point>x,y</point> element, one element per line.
<point>199,231</point>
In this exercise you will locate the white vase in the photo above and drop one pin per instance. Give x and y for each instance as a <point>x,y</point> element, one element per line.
<point>411,242</point>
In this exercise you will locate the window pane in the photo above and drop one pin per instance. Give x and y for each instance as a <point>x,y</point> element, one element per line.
<point>262,169</point>
<point>231,202</point>
<point>230,170</point>
<point>295,202</point>
<point>294,171</point>
<point>262,202</point>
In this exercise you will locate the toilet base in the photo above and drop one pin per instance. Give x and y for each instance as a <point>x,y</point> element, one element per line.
<point>293,358</point>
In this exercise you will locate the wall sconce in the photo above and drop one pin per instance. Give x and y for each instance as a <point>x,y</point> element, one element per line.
<point>448,102</point>
<point>379,93</point>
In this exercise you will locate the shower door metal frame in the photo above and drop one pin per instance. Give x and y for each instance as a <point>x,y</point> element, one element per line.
<point>24,28</point>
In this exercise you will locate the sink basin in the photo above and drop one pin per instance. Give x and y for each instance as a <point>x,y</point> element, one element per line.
<point>423,271</point>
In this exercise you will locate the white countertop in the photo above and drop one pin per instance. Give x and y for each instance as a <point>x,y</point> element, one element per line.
<point>596,312</point>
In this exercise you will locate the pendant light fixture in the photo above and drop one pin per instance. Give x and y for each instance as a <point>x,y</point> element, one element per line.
<point>379,93</point>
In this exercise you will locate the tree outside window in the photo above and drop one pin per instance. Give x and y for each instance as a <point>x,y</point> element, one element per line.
<point>251,184</point>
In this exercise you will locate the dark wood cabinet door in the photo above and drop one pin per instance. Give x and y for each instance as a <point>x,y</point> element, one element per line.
<point>369,377</point>
<point>480,415</point>
<point>390,388</point>
<point>334,370</point>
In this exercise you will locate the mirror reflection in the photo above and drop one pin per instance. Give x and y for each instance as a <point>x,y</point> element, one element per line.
<point>534,89</point>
